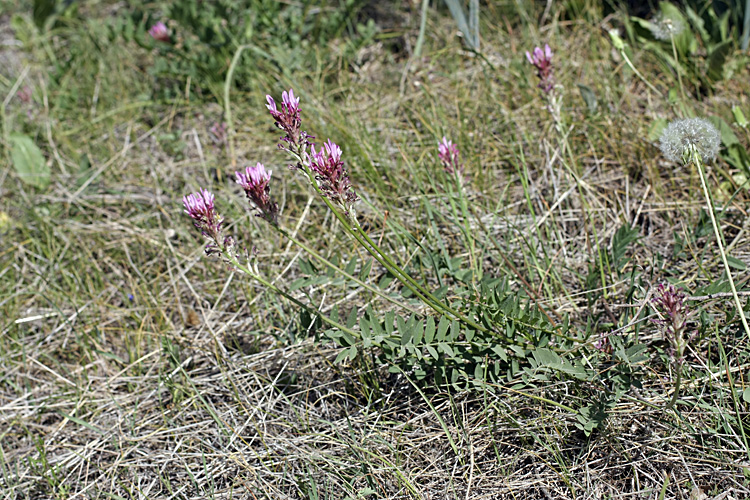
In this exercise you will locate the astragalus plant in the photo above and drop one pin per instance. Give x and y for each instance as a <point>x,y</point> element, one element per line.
<point>484,331</point>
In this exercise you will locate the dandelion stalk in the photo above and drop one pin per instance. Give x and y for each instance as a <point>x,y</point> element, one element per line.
<point>719,239</point>
<point>665,28</point>
<point>619,44</point>
<point>677,66</point>
<point>696,140</point>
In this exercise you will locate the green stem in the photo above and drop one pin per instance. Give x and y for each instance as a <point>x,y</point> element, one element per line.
<point>717,232</point>
<point>677,67</point>
<point>336,268</point>
<point>373,249</point>
<point>313,312</point>
<point>677,383</point>
<point>737,406</point>
<point>407,280</point>
<point>638,73</point>
<point>228,108</point>
<point>470,242</point>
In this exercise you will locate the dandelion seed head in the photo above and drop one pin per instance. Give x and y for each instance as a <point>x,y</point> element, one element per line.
<point>682,135</point>
<point>664,28</point>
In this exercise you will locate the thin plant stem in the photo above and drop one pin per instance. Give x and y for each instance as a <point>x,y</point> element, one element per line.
<point>677,67</point>
<point>336,268</point>
<point>717,232</point>
<point>737,406</point>
<point>619,44</point>
<point>228,108</point>
<point>374,250</point>
<point>313,312</point>
<point>457,192</point>
<point>422,28</point>
<point>677,383</point>
<point>412,283</point>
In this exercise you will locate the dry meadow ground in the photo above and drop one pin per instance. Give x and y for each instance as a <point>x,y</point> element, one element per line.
<point>132,366</point>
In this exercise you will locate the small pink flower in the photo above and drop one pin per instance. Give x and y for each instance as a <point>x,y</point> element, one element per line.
<point>542,60</point>
<point>673,316</point>
<point>24,94</point>
<point>287,118</point>
<point>449,156</point>
<point>218,133</point>
<point>160,32</point>
<point>200,207</point>
<point>255,182</point>
<point>332,176</point>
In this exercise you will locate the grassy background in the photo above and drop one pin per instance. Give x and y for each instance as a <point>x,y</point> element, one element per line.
<point>131,366</point>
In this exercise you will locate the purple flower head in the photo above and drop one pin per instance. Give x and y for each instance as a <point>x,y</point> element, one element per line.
<point>255,182</point>
<point>24,94</point>
<point>288,119</point>
<point>674,314</point>
<point>160,32</point>
<point>331,175</point>
<point>542,60</point>
<point>602,344</point>
<point>200,207</point>
<point>449,156</point>
<point>218,132</point>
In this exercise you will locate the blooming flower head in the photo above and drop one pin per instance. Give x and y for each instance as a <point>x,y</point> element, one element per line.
<point>200,207</point>
<point>255,182</point>
<point>664,28</point>
<point>542,61</point>
<point>673,315</point>
<point>24,94</point>
<point>332,176</point>
<point>160,32</point>
<point>287,118</point>
<point>218,132</point>
<point>449,156</point>
<point>681,137</point>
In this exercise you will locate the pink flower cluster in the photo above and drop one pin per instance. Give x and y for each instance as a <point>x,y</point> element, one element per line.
<point>674,314</point>
<point>449,156</point>
<point>542,61</point>
<point>160,32</point>
<point>287,118</point>
<point>255,182</point>
<point>326,165</point>
<point>200,207</point>
<point>332,176</point>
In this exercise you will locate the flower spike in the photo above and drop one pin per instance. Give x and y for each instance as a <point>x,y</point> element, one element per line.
<point>200,207</point>
<point>255,182</point>
<point>542,60</point>
<point>449,156</point>
<point>287,118</point>
<point>332,176</point>
<point>160,32</point>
